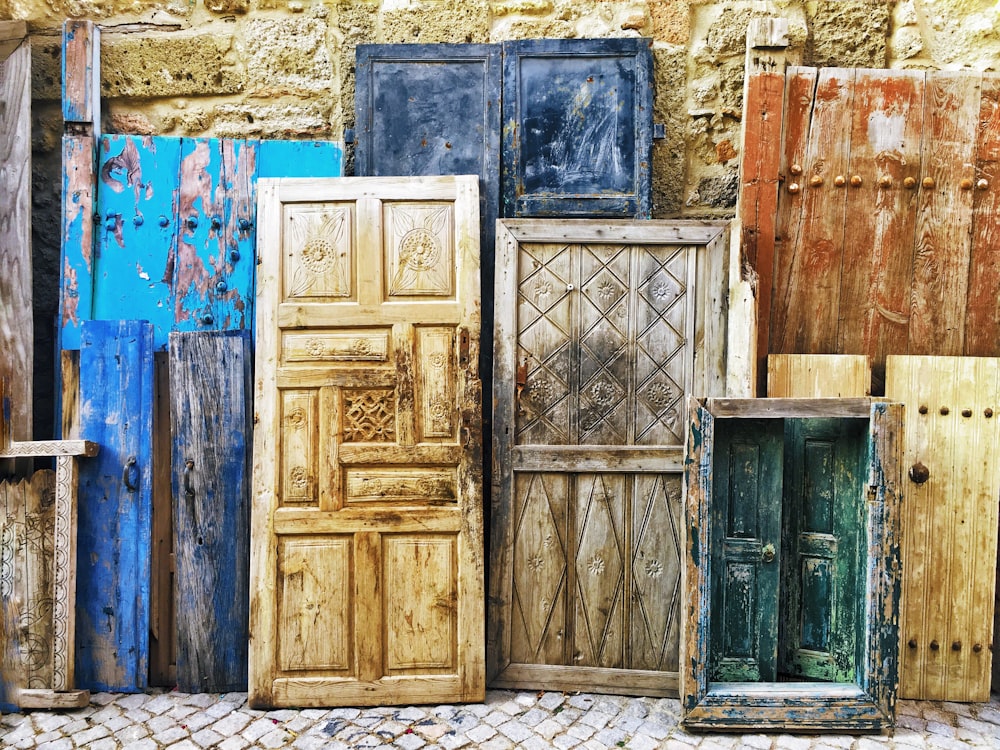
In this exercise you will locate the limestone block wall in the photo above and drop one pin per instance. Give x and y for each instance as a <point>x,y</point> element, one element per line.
<point>285,69</point>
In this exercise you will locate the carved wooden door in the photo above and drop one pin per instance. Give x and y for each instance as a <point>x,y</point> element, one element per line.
<point>602,329</point>
<point>366,551</point>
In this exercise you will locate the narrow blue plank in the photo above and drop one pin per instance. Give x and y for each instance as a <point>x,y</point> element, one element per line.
<point>136,234</point>
<point>214,275</point>
<point>210,425</point>
<point>115,501</point>
<point>76,269</point>
<point>300,159</point>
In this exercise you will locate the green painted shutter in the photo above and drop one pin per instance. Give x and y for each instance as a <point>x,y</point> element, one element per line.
<point>746,537</point>
<point>821,582</point>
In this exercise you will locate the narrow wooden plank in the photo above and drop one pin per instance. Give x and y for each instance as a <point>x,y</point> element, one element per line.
<point>943,239</point>
<point>982,323</point>
<point>12,34</point>
<point>11,668</point>
<point>54,700</point>
<point>69,399</point>
<point>162,616</point>
<point>64,574</point>
<point>788,407</point>
<point>298,159</point>
<point>113,551</point>
<point>758,202</point>
<point>807,275</point>
<point>818,376</point>
<point>81,74</point>
<point>886,127</point>
<point>16,321</point>
<point>76,272</point>
<point>369,606</point>
<point>211,524</point>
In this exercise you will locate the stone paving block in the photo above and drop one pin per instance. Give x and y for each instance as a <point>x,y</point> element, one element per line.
<point>610,737</point>
<point>533,716</point>
<point>78,725</point>
<point>105,743</point>
<point>940,729</point>
<point>909,721</point>
<point>102,699</point>
<point>479,709</point>
<point>655,730</point>
<point>160,723</point>
<point>170,735</point>
<point>595,719</point>
<point>206,738</point>
<point>496,718</point>
<point>550,701</point>
<point>201,700</point>
<point>231,723</point>
<point>497,743</point>
<point>935,714</point>
<point>257,729</point>
<point>274,739</point>
<point>454,741</point>
<point>583,702</point>
<point>239,698</point>
<point>641,742</point>
<point>220,709</point>
<point>131,701</point>
<point>581,731</point>
<point>989,713</point>
<point>790,742</point>
<point>281,714</point>
<point>410,741</point>
<point>958,709</point>
<point>89,735</point>
<point>50,722</point>
<point>757,741</point>
<point>148,744</point>
<point>567,716</point>
<point>515,731</point>
<point>565,741</point>
<point>907,738</point>
<point>233,743</point>
<point>158,705</point>
<point>481,733</point>
<point>410,714</point>
<point>197,721</point>
<point>978,726</point>
<point>183,745</point>
<point>674,743</point>
<point>63,743</point>
<point>131,733</point>
<point>511,708</point>
<point>137,715</point>
<point>945,743</point>
<point>48,737</point>
<point>389,730</point>
<point>548,728</point>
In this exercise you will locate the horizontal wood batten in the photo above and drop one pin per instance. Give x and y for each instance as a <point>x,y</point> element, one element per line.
<point>597,458</point>
<point>690,232</point>
<point>403,518</point>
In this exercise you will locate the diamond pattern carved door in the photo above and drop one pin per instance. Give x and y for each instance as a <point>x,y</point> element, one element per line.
<point>367,539</point>
<point>602,331</point>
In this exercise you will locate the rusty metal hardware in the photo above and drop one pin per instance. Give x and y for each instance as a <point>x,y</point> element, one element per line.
<point>987,412</point>
<point>966,412</point>
<point>216,222</point>
<point>188,470</point>
<point>935,645</point>
<point>885,181</point>
<point>856,180</point>
<point>795,169</point>
<point>221,286</point>
<point>234,255</point>
<point>928,182</point>
<point>956,645</point>
<point>208,319</point>
<point>192,222</point>
<point>767,553</point>
<point>244,225</point>
<point>919,473</point>
<point>815,180</point>
<point>922,409</point>
<point>793,187</point>
<point>944,411</point>
<point>131,470</point>
<point>909,183</point>
<point>839,180</point>
<point>463,348</point>
<point>978,647</point>
<point>912,643</point>
<point>982,184</point>
<point>520,381</point>
<point>965,184</point>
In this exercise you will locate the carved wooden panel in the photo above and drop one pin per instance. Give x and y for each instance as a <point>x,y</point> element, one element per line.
<point>367,464</point>
<point>602,331</point>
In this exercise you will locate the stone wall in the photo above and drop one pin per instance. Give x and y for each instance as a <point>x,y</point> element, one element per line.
<point>285,69</point>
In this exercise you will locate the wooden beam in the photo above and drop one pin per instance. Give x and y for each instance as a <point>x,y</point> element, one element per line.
<point>12,33</point>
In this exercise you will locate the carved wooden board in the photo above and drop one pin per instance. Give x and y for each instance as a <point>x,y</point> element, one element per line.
<point>602,331</point>
<point>367,518</point>
<point>949,523</point>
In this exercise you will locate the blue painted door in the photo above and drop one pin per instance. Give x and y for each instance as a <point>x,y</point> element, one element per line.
<point>577,127</point>
<point>176,235</point>
<point>115,503</point>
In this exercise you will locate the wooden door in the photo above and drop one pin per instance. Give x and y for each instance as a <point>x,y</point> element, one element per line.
<point>823,556</point>
<point>949,551</point>
<point>366,529</point>
<point>602,329</point>
<point>746,551</point>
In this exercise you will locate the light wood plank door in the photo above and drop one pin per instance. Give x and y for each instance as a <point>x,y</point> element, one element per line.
<point>602,330</point>
<point>949,544</point>
<point>366,525</point>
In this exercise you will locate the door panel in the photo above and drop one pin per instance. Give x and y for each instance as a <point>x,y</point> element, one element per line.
<point>367,475</point>
<point>746,551</point>
<point>599,338</point>
<point>821,579</point>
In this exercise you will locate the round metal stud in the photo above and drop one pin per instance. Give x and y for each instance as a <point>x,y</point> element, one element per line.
<point>793,187</point>
<point>815,180</point>
<point>982,184</point>
<point>935,645</point>
<point>840,180</point>
<point>922,409</point>
<point>956,645</point>
<point>928,183</point>
<point>912,643</point>
<point>885,181</point>
<point>944,411</point>
<point>164,221</point>
<point>856,181</point>
<point>244,225</point>
<point>987,412</point>
<point>978,647</point>
<point>965,184</point>
<point>909,183</point>
<point>216,222</point>
<point>192,222</point>
<point>208,319</point>
<point>966,412</point>
<point>234,255</point>
<point>137,220</point>
<point>795,169</point>
<point>221,286</point>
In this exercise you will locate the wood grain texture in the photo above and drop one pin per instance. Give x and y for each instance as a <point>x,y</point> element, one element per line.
<point>12,34</point>
<point>162,614</point>
<point>210,422</point>
<point>596,346</point>
<point>950,524</point>
<point>81,75</point>
<point>818,376</point>
<point>76,273</point>
<point>982,323</point>
<point>16,320</point>
<point>944,214</point>
<point>113,550</point>
<point>367,511</point>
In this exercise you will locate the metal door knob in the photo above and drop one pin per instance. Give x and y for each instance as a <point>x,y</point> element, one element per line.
<point>767,553</point>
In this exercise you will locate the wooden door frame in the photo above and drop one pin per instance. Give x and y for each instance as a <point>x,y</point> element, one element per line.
<point>712,239</point>
<point>869,703</point>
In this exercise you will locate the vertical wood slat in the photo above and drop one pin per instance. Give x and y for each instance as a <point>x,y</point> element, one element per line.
<point>944,214</point>
<point>209,415</point>
<point>16,322</point>
<point>81,54</point>
<point>982,324</point>
<point>878,257</point>
<point>113,551</point>
<point>949,524</point>
<point>818,376</point>
<point>162,615</point>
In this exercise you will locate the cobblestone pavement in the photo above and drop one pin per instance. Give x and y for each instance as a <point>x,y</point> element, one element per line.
<point>181,721</point>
